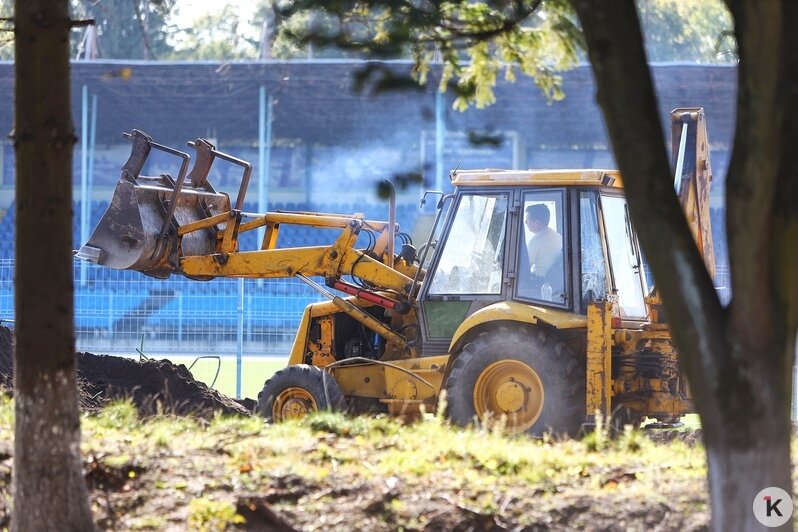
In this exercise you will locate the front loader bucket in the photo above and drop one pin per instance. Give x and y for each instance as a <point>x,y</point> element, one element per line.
<point>139,230</point>
<point>128,236</point>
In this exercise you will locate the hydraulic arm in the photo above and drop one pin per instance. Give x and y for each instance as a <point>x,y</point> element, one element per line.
<point>160,225</point>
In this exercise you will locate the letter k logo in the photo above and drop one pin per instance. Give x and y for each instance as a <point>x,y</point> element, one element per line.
<point>772,506</point>
<point>777,508</point>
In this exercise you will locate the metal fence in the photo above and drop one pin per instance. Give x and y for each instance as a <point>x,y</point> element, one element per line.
<point>127,313</point>
<point>119,311</point>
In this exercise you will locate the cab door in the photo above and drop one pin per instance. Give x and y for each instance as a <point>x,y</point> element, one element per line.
<point>626,268</point>
<point>467,271</point>
<point>543,251</point>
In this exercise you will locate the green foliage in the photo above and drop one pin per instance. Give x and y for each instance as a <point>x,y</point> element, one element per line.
<point>214,36</point>
<point>162,436</point>
<point>687,30</point>
<point>126,29</point>
<point>150,522</point>
<point>6,413</point>
<point>599,438</point>
<point>117,415</point>
<point>631,440</point>
<point>206,514</point>
<point>6,33</point>
<point>476,42</point>
<point>346,426</point>
<point>196,475</point>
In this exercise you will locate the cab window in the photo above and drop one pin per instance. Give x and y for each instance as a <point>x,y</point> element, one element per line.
<point>541,268</point>
<point>471,259</point>
<point>624,257</point>
<point>594,271</point>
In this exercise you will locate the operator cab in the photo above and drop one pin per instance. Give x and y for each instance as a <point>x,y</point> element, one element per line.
<point>551,239</point>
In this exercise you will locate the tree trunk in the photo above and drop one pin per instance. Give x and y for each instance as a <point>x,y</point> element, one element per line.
<point>742,355</point>
<point>49,488</point>
<point>737,473</point>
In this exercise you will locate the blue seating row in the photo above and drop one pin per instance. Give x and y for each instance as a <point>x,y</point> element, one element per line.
<point>125,310</point>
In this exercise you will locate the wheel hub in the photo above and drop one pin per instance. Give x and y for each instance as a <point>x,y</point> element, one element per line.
<point>512,389</point>
<point>510,397</point>
<point>295,408</point>
<point>293,403</point>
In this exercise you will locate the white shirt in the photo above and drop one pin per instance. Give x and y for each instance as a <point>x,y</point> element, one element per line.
<point>544,249</point>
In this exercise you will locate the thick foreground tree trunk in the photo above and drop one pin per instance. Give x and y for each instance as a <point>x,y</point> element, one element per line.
<point>49,488</point>
<point>741,355</point>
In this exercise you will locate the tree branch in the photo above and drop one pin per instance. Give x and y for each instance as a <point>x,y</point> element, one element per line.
<point>83,23</point>
<point>144,33</point>
<point>442,28</point>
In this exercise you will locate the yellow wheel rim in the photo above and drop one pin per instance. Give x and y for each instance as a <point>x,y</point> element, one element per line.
<point>293,403</point>
<point>512,389</point>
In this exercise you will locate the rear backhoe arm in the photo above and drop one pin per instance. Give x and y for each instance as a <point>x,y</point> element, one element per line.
<point>693,176</point>
<point>692,180</point>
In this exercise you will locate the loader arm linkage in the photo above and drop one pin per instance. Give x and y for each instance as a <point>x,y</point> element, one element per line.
<point>331,262</point>
<point>160,226</point>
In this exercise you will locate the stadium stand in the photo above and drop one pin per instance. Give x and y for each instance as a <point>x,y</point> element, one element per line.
<point>330,146</point>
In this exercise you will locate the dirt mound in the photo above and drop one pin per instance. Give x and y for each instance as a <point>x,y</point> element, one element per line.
<point>246,402</point>
<point>154,386</point>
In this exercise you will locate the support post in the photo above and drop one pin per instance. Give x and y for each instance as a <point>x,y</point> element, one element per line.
<point>111,313</point>
<point>240,337</point>
<point>180,317</point>
<point>84,176</point>
<point>264,152</point>
<point>440,133</point>
<point>249,317</point>
<point>92,144</point>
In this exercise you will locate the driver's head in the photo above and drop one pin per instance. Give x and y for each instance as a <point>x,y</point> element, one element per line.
<point>537,217</point>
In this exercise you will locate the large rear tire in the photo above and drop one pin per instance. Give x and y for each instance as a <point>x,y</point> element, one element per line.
<point>528,376</point>
<point>296,391</point>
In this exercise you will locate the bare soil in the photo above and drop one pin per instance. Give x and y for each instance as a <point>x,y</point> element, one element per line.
<point>147,477</point>
<point>280,479</point>
<point>154,386</point>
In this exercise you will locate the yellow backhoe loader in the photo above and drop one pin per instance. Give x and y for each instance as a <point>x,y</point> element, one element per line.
<point>528,303</point>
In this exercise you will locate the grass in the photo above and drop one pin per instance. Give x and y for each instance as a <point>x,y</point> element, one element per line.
<point>332,472</point>
<point>255,371</point>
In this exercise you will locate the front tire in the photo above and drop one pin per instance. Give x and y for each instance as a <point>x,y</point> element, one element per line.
<point>296,391</point>
<point>528,376</point>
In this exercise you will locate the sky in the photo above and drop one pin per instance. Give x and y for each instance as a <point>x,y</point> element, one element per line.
<point>185,11</point>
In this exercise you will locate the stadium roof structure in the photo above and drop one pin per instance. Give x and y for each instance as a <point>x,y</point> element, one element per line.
<point>315,101</point>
